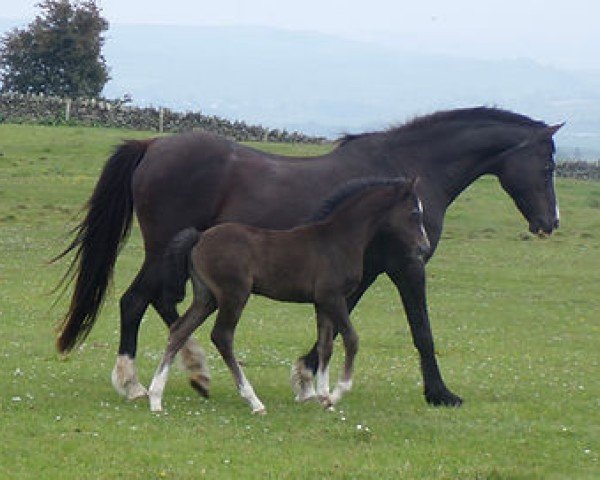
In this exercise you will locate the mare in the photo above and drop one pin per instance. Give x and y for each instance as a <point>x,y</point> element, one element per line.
<point>313,263</point>
<point>198,180</point>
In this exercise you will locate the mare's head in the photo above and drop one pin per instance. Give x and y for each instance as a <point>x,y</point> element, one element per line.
<point>404,223</point>
<point>526,172</point>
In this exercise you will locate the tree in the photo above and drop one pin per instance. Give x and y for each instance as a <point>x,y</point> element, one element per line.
<point>59,53</point>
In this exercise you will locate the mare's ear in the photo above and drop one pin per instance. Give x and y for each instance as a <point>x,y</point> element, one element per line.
<point>552,129</point>
<point>545,133</point>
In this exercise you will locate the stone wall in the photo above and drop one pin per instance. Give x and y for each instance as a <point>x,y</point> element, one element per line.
<point>581,170</point>
<point>40,109</point>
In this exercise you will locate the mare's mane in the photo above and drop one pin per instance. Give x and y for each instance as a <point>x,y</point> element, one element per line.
<point>347,190</point>
<point>481,114</point>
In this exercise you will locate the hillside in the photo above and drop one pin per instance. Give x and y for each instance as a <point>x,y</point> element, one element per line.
<point>325,85</point>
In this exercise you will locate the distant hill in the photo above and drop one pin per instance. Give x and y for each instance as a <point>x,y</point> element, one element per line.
<point>325,85</point>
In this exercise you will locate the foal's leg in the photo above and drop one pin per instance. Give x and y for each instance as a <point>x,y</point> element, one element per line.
<point>325,326</point>
<point>222,336</point>
<point>203,305</point>
<point>133,304</point>
<point>346,329</point>
<point>192,354</point>
<point>303,370</point>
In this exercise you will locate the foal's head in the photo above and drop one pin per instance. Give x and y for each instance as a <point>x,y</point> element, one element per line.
<point>404,223</point>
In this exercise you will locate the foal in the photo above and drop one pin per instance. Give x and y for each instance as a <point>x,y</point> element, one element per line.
<point>320,263</point>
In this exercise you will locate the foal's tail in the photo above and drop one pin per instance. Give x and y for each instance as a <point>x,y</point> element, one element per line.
<point>176,264</point>
<point>98,239</point>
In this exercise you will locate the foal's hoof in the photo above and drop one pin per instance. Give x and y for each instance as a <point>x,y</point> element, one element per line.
<point>200,383</point>
<point>260,411</point>
<point>443,398</point>
<point>155,405</point>
<point>326,402</point>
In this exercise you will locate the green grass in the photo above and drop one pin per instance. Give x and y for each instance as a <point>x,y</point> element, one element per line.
<point>516,322</point>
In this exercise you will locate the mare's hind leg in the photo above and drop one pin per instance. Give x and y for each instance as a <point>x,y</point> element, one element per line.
<point>202,306</point>
<point>222,336</point>
<point>133,304</point>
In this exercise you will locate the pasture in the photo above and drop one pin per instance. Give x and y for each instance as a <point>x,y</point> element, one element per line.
<point>516,321</point>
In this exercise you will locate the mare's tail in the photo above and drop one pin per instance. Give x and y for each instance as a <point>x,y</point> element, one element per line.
<point>176,264</point>
<point>98,239</point>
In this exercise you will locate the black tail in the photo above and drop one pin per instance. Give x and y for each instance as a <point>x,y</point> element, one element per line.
<point>98,240</point>
<point>176,264</point>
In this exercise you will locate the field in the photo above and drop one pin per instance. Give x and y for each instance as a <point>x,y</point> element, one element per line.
<point>516,321</point>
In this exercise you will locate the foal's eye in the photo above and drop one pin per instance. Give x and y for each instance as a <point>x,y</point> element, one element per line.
<point>416,214</point>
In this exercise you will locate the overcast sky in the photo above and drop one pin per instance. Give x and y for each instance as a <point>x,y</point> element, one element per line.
<point>553,32</point>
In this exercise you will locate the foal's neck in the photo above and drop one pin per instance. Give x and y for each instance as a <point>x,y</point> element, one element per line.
<point>359,219</point>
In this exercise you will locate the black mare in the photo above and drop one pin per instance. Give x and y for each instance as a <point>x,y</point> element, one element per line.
<point>198,180</point>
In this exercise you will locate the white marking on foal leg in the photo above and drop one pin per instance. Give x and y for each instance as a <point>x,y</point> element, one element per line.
<point>194,362</point>
<point>302,380</point>
<point>247,392</point>
<point>124,379</point>
<point>323,386</point>
<point>157,387</point>
<point>340,389</point>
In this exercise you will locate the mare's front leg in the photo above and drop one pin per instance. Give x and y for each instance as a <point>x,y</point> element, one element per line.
<point>410,281</point>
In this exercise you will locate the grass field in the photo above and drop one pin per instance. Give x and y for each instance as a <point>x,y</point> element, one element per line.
<point>516,322</point>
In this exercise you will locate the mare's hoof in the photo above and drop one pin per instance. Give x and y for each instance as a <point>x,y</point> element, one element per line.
<point>135,391</point>
<point>200,384</point>
<point>304,397</point>
<point>260,411</point>
<point>444,398</point>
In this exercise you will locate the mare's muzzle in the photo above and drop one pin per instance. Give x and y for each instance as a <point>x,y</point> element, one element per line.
<point>543,228</point>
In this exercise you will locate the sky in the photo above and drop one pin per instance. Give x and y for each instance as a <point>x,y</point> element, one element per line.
<point>551,32</point>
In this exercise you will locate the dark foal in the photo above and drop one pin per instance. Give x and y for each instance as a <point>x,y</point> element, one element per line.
<point>320,262</point>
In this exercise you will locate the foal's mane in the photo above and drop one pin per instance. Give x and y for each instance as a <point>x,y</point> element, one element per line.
<point>347,190</point>
<point>481,114</point>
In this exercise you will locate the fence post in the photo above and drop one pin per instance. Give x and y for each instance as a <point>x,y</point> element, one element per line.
<point>67,109</point>
<point>161,118</point>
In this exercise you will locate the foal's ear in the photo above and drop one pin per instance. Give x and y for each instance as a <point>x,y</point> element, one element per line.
<point>404,189</point>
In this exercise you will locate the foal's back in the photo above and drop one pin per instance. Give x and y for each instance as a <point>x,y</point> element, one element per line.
<point>290,265</point>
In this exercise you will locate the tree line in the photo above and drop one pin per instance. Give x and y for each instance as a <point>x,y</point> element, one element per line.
<point>58,53</point>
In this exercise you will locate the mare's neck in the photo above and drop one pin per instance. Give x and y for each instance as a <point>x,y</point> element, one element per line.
<point>454,161</point>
